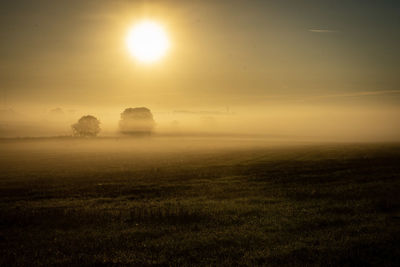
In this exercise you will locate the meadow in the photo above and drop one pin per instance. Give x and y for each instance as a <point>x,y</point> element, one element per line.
<point>198,202</point>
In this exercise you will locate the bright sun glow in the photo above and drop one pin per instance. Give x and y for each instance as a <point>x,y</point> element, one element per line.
<point>147,41</point>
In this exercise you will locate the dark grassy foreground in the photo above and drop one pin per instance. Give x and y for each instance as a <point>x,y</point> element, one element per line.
<point>126,203</point>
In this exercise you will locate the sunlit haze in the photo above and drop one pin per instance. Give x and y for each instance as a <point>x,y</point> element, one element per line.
<point>199,133</point>
<point>290,68</point>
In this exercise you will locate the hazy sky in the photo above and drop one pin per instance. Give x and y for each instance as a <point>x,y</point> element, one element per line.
<point>223,52</point>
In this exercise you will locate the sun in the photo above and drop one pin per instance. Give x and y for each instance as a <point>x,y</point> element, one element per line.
<point>147,41</point>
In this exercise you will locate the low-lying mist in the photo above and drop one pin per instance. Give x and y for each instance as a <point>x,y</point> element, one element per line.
<point>302,122</point>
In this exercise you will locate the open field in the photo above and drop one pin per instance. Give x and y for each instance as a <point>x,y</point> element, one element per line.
<point>198,201</point>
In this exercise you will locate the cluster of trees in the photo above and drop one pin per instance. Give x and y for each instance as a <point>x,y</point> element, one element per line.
<point>133,121</point>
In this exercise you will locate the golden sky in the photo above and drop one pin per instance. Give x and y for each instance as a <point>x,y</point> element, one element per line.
<point>236,54</point>
<point>222,50</point>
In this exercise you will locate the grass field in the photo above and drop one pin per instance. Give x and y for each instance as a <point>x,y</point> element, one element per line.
<point>199,201</point>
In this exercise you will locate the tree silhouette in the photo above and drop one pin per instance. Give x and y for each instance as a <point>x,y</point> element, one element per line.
<point>86,126</point>
<point>136,121</point>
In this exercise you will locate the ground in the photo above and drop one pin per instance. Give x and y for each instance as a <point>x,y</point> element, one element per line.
<point>198,201</point>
